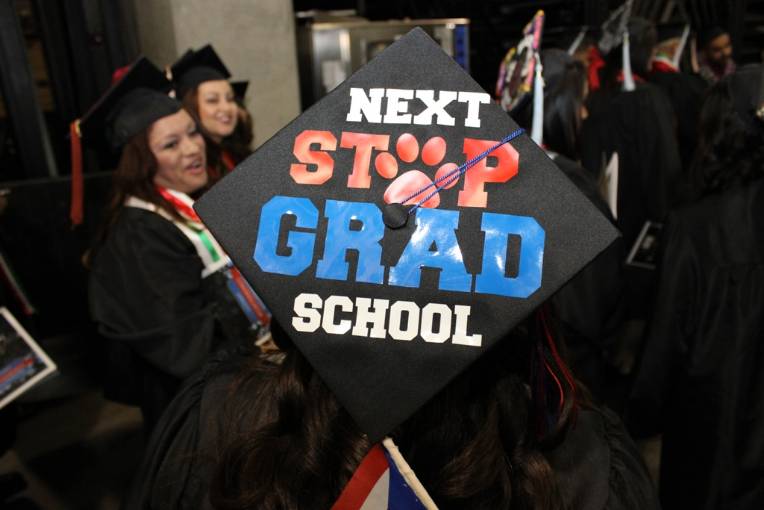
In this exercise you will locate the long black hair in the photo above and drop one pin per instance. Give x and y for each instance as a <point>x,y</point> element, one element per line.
<point>478,444</point>
<point>564,93</point>
<point>731,144</point>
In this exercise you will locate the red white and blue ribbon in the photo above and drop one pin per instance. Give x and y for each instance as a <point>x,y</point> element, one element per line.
<point>213,257</point>
<point>384,481</point>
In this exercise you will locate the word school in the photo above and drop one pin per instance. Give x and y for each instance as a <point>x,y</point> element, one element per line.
<point>371,316</point>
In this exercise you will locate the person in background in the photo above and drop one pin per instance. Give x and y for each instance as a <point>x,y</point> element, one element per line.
<point>715,59</point>
<point>157,288</point>
<point>591,306</point>
<point>202,85</point>
<point>685,90</point>
<point>638,126</point>
<point>700,382</point>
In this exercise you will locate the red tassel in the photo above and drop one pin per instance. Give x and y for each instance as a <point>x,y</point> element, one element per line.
<point>119,73</point>
<point>596,62</point>
<point>228,161</point>
<point>78,187</point>
<point>557,359</point>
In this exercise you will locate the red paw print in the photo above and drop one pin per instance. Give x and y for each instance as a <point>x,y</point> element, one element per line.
<point>411,181</point>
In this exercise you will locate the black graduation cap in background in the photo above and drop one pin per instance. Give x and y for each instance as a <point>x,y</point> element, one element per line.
<point>128,107</point>
<point>672,41</point>
<point>196,67</point>
<point>240,89</point>
<point>388,316</point>
<point>615,32</point>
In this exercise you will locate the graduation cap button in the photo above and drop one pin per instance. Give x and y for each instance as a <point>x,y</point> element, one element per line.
<point>395,215</point>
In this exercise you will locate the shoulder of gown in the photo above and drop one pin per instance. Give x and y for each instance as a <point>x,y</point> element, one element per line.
<point>598,467</point>
<point>183,450</point>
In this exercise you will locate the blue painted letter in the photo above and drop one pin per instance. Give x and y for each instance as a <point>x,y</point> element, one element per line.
<point>434,226</point>
<point>492,279</point>
<point>300,244</point>
<point>340,239</point>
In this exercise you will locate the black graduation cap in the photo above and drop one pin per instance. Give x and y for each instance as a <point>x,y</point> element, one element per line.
<point>196,67</point>
<point>240,89</point>
<point>672,40</point>
<point>137,99</point>
<point>130,105</point>
<point>388,316</point>
<point>615,32</point>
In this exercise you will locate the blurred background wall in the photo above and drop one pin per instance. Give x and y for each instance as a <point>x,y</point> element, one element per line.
<point>254,38</point>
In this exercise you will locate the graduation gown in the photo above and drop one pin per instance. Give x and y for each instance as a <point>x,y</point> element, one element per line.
<point>686,93</point>
<point>161,319</point>
<point>638,125</point>
<point>701,380</point>
<point>591,306</point>
<point>597,464</point>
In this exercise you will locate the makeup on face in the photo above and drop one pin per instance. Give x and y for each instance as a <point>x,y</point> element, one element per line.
<point>178,147</point>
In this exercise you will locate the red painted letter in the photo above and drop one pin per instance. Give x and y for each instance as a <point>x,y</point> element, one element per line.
<point>323,161</point>
<point>363,143</point>
<point>473,194</point>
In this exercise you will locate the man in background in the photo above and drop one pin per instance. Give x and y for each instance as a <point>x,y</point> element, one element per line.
<point>715,56</point>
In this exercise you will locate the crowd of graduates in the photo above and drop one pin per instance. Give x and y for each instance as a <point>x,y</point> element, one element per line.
<point>655,331</point>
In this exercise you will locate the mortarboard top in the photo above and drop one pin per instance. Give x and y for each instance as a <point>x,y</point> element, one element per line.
<point>196,67</point>
<point>240,89</point>
<point>615,27</point>
<point>137,98</point>
<point>672,40</point>
<point>130,105</point>
<point>669,31</point>
<point>389,316</point>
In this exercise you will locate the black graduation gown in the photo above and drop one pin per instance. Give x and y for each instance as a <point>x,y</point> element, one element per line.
<point>639,126</point>
<point>591,306</point>
<point>701,381</point>
<point>160,318</point>
<point>597,465</point>
<point>686,93</point>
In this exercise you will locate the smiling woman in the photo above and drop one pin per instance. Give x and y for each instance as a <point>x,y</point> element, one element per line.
<point>201,82</point>
<point>178,147</point>
<point>159,282</point>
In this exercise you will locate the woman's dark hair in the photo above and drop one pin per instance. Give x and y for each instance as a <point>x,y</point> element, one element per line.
<point>478,444</point>
<point>237,144</point>
<point>564,92</point>
<point>133,177</point>
<point>731,139</point>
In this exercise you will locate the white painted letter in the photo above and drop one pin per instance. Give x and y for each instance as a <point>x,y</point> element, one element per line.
<point>412,327</point>
<point>460,334</point>
<point>395,106</point>
<point>371,106</point>
<point>435,107</point>
<point>444,331</point>
<point>363,317</point>
<point>473,100</point>
<point>332,302</point>
<point>308,317</point>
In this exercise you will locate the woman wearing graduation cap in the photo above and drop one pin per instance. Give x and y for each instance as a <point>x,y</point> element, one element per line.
<point>157,288</point>
<point>633,119</point>
<point>416,372</point>
<point>201,84</point>
<point>701,381</point>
